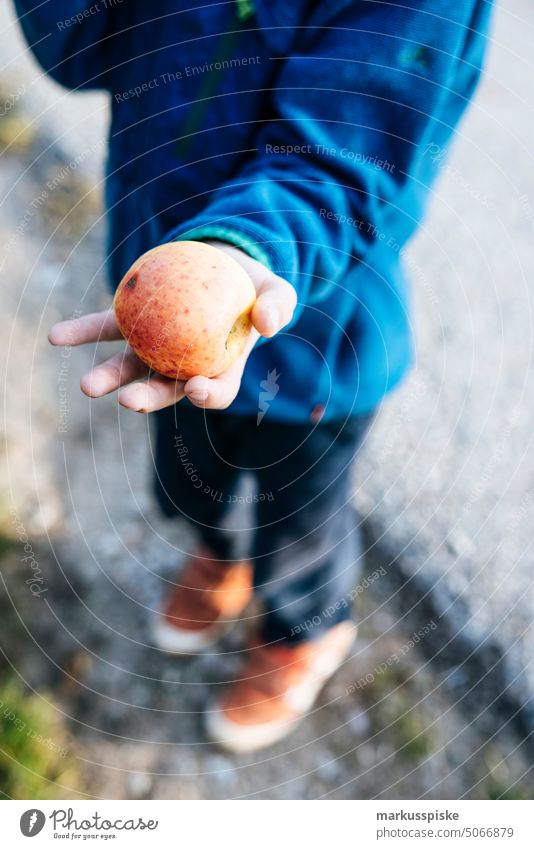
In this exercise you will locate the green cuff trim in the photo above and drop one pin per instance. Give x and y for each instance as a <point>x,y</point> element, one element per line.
<point>233,237</point>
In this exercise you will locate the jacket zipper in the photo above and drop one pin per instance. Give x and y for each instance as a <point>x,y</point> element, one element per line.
<point>244,10</point>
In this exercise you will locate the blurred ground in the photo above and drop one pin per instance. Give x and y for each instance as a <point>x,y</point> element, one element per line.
<point>445,484</point>
<point>449,471</point>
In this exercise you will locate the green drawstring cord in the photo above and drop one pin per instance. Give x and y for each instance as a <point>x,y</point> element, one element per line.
<point>244,10</point>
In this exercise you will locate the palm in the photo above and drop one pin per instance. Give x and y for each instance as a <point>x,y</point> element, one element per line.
<point>144,391</point>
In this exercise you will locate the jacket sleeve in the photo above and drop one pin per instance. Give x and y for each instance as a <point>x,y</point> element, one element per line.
<point>71,39</point>
<point>342,156</point>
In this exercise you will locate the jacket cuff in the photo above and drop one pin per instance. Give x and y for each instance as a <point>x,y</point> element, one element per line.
<point>257,241</point>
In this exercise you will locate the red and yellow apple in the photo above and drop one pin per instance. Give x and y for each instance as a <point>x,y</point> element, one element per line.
<point>184,308</point>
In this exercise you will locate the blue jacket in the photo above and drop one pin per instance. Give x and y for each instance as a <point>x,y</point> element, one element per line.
<point>304,132</point>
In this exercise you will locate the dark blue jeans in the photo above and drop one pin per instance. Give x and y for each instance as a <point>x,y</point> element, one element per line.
<point>296,524</point>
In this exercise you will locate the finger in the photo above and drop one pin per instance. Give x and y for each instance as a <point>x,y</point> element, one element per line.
<point>147,396</point>
<point>95,327</point>
<point>117,371</point>
<point>215,393</point>
<point>274,306</point>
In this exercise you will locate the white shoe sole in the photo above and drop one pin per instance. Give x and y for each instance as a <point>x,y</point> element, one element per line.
<point>237,738</point>
<point>173,640</point>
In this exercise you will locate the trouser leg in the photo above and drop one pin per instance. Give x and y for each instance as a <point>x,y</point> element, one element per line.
<point>195,472</point>
<point>307,548</point>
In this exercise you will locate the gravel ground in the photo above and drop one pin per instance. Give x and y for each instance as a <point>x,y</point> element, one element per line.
<point>444,484</point>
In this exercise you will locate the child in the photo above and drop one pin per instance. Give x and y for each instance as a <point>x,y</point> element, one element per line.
<point>296,137</point>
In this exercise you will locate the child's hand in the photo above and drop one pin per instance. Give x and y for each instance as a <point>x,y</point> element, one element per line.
<point>272,311</point>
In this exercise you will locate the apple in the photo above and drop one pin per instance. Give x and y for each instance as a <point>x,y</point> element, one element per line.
<point>184,308</point>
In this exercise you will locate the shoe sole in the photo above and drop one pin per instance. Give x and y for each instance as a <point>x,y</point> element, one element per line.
<point>240,739</point>
<point>172,640</point>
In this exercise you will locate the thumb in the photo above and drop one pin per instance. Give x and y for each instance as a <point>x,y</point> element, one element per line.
<point>274,305</point>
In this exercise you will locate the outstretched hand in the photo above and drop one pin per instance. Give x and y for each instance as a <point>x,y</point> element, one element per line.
<point>144,391</point>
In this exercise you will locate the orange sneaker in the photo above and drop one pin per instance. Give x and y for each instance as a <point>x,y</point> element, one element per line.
<point>277,687</point>
<point>209,595</point>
